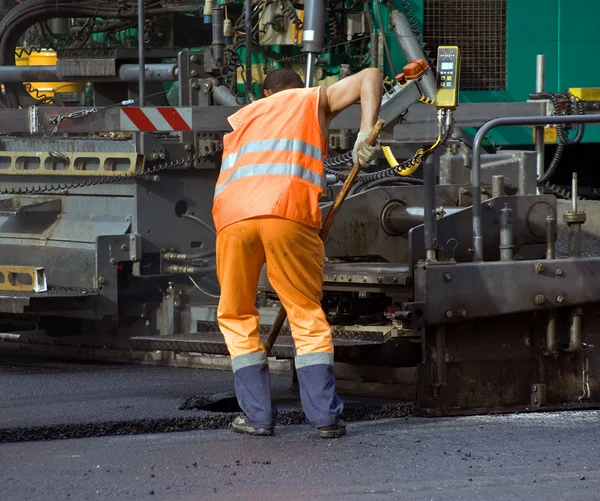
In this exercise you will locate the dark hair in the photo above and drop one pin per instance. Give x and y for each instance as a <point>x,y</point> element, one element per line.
<point>281,80</point>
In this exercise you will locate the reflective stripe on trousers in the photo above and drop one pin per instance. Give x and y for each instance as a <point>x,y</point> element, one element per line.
<point>294,255</point>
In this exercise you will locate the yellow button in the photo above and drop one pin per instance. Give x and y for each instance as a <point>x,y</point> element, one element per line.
<point>443,77</point>
<point>449,77</point>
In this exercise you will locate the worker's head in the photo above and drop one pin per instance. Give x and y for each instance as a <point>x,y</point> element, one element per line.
<point>282,79</point>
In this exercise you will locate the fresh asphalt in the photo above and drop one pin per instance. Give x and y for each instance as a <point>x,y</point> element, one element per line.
<point>545,456</point>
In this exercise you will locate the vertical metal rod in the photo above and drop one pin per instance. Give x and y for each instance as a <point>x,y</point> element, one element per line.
<point>575,340</point>
<point>440,358</point>
<point>248,43</point>
<point>574,240</point>
<point>141,52</point>
<point>550,237</point>
<point>218,39</point>
<point>497,186</point>
<point>311,63</point>
<point>574,191</point>
<point>540,82</point>
<point>551,332</point>
<point>430,221</point>
<point>506,234</point>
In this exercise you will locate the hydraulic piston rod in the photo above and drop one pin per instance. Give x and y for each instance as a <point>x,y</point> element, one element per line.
<point>398,219</point>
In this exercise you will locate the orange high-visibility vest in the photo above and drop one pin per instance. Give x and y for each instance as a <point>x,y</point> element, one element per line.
<point>273,161</point>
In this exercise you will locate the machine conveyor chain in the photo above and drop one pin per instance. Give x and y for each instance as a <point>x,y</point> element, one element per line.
<point>105,177</point>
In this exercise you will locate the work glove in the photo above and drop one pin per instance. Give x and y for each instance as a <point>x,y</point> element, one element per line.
<point>363,153</point>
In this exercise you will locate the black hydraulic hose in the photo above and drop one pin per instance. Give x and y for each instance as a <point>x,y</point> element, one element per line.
<point>248,7</point>
<point>27,14</point>
<point>561,129</point>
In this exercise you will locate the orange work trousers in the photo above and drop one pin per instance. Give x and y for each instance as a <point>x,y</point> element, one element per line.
<point>294,254</point>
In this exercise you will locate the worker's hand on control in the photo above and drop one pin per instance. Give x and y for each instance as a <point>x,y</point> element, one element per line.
<point>363,153</point>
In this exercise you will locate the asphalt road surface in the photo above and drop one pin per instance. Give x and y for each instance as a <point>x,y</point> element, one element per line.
<point>545,456</point>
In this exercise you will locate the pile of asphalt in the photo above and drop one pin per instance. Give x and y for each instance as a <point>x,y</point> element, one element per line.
<point>225,407</point>
<point>590,245</point>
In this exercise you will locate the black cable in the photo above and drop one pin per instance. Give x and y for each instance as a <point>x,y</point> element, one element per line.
<point>248,82</point>
<point>557,99</point>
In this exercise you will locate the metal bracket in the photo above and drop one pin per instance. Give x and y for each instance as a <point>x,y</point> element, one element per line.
<point>33,119</point>
<point>12,279</point>
<point>32,163</point>
<point>538,395</point>
<point>111,250</point>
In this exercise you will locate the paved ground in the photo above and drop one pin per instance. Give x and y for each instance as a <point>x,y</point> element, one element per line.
<point>544,456</point>
<point>520,457</point>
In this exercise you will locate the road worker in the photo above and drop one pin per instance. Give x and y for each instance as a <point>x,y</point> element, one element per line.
<point>266,209</point>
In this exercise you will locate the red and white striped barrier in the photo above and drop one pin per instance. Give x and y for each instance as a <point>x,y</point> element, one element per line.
<point>164,119</point>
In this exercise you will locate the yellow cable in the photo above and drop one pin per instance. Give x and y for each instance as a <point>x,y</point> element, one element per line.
<point>414,162</point>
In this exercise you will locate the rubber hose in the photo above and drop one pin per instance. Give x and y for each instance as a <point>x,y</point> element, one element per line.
<point>413,166</point>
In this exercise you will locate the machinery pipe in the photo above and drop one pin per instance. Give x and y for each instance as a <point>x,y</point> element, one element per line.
<point>412,50</point>
<point>398,219</point>
<point>223,96</point>
<point>497,186</point>
<point>430,221</point>
<point>159,72</point>
<point>440,359</point>
<point>506,234</point>
<point>540,81</point>
<point>574,240</point>
<point>218,37</point>
<point>575,340</point>
<point>551,331</point>
<point>476,164</point>
<point>550,237</point>
<point>141,52</point>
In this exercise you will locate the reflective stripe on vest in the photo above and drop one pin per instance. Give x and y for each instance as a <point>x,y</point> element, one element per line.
<point>274,169</point>
<point>272,145</point>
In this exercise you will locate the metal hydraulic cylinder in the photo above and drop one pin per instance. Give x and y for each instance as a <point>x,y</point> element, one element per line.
<point>218,38</point>
<point>313,35</point>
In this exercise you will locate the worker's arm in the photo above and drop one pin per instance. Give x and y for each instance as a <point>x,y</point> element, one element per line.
<point>365,86</point>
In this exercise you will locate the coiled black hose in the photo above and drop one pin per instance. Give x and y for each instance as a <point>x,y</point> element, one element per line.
<point>557,98</point>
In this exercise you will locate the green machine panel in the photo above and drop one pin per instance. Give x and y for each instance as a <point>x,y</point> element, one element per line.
<point>500,40</point>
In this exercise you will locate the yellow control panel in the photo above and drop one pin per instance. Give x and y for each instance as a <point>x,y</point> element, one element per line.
<point>448,68</point>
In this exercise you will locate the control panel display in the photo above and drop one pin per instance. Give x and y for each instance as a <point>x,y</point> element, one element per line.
<point>447,74</point>
<point>448,63</point>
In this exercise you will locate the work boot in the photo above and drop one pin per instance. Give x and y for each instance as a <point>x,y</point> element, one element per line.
<point>240,425</point>
<point>336,430</point>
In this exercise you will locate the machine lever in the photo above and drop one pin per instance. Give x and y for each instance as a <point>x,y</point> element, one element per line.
<point>339,200</point>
